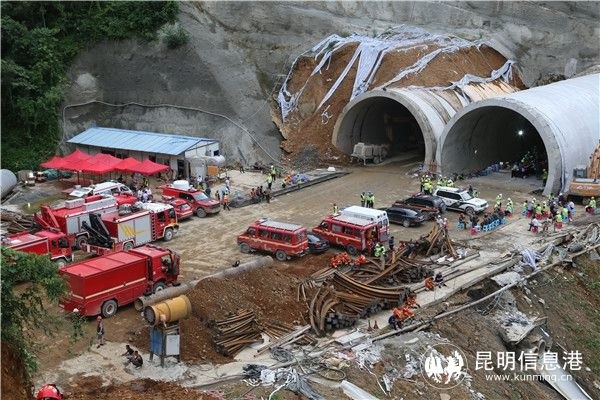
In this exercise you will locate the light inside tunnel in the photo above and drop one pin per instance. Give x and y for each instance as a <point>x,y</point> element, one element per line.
<point>381,120</point>
<point>489,135</point>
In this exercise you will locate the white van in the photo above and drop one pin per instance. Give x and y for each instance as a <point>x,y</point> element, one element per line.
<point>373,215</point>
<point>110,187</point>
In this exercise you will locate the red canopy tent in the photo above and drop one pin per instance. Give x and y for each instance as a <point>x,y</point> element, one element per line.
<point>75,160</point>
<point>127,165</point>
<point>55,163</point>
<point>148,167</point>
<point>99,164</point>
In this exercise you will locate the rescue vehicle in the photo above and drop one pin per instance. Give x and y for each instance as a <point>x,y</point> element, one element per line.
<point>100,285</point>
<point>200,202</point>
<point>69,218</point>
<point>280,238</point>
<point>373,215</point>
<point>129,228</point>
<point>182,208</point>
<point>353,234</point>
<point>53,244</point>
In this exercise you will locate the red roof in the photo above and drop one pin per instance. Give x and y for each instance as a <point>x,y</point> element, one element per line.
<point>148,167</point>
<point>127,165</point>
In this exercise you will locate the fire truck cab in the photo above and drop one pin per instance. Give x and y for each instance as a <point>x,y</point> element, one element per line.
<point>53,244</point>
<point>352,233</point>
<point>280,238</point>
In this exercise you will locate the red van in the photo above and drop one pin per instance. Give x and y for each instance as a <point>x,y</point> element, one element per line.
<point>280,238</point>
<point>353,234</point>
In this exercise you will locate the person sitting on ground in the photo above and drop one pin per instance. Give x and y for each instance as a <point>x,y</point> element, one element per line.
<point>128,352</point>
<point>136,359</point>
<point>535,223</point>
<point>461,220</point>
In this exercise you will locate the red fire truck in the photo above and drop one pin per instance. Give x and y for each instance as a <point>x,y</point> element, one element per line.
<point>100,285</point>
<point>45,242</point>
<point>200,203</point>
<point>69,218</point>
<point>353,234</point>
<point>129,228</point>
<point>281,238</point>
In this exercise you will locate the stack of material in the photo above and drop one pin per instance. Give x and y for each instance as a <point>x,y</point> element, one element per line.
<point>437,241</point>
<point>14,222</point>
<point>234,333</point>
<point>277,330</point>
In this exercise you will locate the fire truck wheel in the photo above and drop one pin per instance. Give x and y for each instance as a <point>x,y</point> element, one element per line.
<point>61,262</point>
<point>280,255</point>
<point>168,234</point>
<point>81,241</point>
<point>109,308</point>
<point>351,250</point>
<point>244,247</point>
<point>128,246</point>
<point>158,286</point>
<point>200,213</point>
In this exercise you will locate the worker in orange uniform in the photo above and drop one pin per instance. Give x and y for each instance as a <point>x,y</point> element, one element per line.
<point>429,285</point>
<point>411,300</point>
<point>48,392</point>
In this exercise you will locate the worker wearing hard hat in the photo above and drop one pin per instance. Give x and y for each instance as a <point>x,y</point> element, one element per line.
<point>591,207</point>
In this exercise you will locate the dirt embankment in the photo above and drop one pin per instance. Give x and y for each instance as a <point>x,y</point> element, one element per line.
<point>310,125</point>
<point>15,385</point>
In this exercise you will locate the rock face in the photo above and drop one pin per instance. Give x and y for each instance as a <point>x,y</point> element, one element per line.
<point>222,84</point>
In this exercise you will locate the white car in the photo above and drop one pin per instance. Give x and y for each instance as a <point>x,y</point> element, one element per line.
<point>111,188</point>
<point>460,200</point>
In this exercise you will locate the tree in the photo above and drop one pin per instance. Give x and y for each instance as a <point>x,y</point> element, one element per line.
<point>29,281</point>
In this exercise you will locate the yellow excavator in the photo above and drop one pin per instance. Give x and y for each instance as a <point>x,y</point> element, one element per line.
<point>586,181</point>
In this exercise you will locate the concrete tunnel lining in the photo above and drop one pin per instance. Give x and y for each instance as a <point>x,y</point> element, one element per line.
<point>564,114</point>
<point>354,117</point>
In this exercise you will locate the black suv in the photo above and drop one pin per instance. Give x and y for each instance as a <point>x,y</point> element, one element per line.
<point>425,202</point>
<point>405,216</point>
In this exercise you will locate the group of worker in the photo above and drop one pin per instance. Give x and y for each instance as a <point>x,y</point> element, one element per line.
<point>259,194</point>
<point>404,312</point>
<point>552,211</point>
<point>367,199</point>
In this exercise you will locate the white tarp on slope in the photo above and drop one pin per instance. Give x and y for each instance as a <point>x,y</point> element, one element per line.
<point>370,53</point>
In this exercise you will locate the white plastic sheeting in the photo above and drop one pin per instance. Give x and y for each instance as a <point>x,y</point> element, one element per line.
<point>370,53</point>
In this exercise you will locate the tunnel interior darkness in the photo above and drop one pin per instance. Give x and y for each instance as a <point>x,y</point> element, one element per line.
<point>380,120</point>
<point>488,135</point>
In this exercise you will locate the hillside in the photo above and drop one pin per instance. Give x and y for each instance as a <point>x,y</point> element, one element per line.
<point>223,83</point>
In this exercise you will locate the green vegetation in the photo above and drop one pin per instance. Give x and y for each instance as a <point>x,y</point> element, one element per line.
<point>28,280</point>
<point>173,35</point>
<point>39,42</point>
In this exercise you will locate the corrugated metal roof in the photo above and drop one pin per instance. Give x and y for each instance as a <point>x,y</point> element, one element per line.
<point>149,142</point>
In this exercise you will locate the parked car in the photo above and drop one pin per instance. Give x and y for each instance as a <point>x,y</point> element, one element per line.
<point>182,208</point>
<point>460,200</point>
<point>316,244</point>
<point>405,216</point>
<point>426,203</point>
<point>280,238</point>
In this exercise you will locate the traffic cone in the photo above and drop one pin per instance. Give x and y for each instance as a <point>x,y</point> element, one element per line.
<point>375,327</point>
<point>369,329</point>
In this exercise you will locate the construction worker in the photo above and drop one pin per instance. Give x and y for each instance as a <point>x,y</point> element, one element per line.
<point>450,183</point>
<point>269,181</point>
<point>427,187</point>
<point>336,211</point>
<point>429,285</point>
<point>499,201</point>
<point>411,300</point>
<point>226,201</point>
<point>524,208</point>
<point>273,173</point>
<point>591,207</point>
<point>363,199</point>
<point>564,213</point>
<point>391,243</point>
<point>462,222</point>
<point>545,209</point>
<point>77,325</point>
<point>538,211</point>
<point>475,193</point>
<point>509,207</point>
<point>380,252</point>
<point>370,200</point>
<point>535,224</point>
<point>558,222</point>
<point>544,177</point>
<point>49,391</point>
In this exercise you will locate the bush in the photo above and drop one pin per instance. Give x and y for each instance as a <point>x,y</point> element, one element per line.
<point>173,35</point>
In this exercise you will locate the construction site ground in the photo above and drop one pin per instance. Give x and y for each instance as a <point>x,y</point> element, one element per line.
<point>209,245</point>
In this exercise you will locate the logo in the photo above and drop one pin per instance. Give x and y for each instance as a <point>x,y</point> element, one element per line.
<point>444,366</point>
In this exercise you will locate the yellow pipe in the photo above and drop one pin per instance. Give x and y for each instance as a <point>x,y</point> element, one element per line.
<point>168,311</point>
